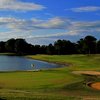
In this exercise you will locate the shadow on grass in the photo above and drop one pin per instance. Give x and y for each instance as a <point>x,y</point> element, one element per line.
<point>3,99</point>
<point>43,98</point>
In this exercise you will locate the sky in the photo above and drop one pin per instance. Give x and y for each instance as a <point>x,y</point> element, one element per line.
<point>45,21</point>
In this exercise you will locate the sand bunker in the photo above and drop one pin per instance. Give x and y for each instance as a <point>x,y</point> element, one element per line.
<point>95,85</point>
<point>87,73</point>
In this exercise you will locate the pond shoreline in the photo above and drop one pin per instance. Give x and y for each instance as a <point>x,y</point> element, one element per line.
<point>63,64</point>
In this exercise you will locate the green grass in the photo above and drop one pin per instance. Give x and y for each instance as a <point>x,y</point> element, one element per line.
<point>78,62</point>
<point>53,84</point>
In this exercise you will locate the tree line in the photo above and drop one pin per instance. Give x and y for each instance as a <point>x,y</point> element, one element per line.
<point>87,45</point>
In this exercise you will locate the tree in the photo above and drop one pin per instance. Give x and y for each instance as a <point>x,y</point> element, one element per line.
<point>98,46</point>
<point>50,49</point>
<point>2,46</point>
<point>87,45</point>
<point>10,45</point>
<point>37,49</point>
<point>80,46</point>
<point>21,46</point>
<point>64,47</point>
<point>58,45</point>
<point>90,44</point>
<point>43,49</point>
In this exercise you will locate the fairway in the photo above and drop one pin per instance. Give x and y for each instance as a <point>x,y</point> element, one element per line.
<point>53,84</point>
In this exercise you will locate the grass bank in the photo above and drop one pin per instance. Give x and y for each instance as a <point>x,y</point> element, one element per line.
<point>76,62</point>
<point>53,84</point>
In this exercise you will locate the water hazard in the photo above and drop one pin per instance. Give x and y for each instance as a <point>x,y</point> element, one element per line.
<point>17,63</point>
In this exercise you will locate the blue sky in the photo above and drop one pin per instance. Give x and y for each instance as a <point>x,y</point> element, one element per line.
<point>45,21</point>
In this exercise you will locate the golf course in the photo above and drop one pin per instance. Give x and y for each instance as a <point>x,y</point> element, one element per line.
<point>78,79</point>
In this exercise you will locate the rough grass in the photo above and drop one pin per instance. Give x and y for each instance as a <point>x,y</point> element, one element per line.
<point>53,84</point>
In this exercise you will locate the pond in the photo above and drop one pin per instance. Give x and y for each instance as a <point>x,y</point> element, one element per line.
<point>17,63</point>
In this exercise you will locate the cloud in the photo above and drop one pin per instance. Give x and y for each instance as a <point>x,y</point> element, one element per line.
<point>33,24</point>
<point>17,5</point>
<point>24,28</point>
<point>55,23</point>
<point>47,36</point>
<point>28,28</point>
<point>86,9</point>
<point>80,27</point>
